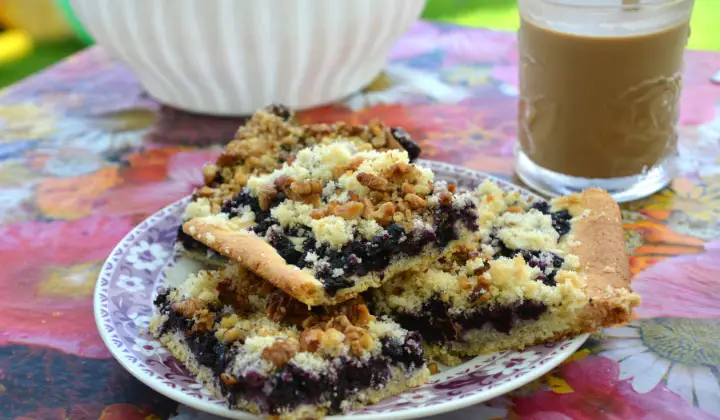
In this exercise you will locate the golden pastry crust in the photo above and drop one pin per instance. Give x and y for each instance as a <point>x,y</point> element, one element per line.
<point>257,255</point>
<point>600,246</point>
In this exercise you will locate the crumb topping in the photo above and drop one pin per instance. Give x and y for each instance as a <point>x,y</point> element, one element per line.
<point>263,322</point>
<point>271,138</point>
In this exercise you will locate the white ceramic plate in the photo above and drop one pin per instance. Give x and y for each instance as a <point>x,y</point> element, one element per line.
<point>133,273</point>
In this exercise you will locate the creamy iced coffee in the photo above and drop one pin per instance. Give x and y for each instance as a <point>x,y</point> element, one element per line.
<point>599,97</point>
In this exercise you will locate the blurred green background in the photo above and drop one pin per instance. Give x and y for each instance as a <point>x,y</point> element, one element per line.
<point>41,32</point>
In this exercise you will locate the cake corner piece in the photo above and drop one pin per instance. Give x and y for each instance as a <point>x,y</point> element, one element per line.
<point>263,351</point>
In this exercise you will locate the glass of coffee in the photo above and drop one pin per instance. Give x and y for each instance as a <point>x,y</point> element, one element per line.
<point>599,94</point>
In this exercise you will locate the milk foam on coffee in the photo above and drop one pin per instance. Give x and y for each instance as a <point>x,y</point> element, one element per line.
<point>599,89</point>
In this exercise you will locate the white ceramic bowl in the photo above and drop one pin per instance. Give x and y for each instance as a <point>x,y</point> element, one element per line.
<point>231,57</point>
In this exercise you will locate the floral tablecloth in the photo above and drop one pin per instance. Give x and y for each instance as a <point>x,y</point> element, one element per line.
<point>85,155</point>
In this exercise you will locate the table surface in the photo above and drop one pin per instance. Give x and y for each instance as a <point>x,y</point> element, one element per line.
<point>85,155</point>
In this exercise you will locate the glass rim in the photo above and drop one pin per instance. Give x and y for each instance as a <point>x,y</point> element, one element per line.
<point>620,5</point>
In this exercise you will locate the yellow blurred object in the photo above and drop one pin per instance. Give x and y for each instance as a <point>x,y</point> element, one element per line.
<point>41,19</point>
<point>14,45</point>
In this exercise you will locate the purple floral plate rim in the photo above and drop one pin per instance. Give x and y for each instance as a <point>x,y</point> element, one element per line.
<point>133,273</point>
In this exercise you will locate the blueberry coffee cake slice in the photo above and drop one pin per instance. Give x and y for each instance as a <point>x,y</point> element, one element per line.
<point>540,272</point>
<point>338,221</point>
<point>265,352</point>
<point>269,139</point>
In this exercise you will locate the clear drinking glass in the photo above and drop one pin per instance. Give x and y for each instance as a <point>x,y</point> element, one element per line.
<point>599,94</point>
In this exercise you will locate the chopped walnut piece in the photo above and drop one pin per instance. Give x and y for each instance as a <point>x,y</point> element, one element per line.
<point>230,335</point>
<point>399,171</point>
<point>266,195</point>
<point>480,290</point>
<point>445,198</point>
<point>306,187</point>
<point>379,141</point>
<point>330,209</point>
<point>283,183</point>
<point>340,321</point>
<point>240,178</point>
<point>481,270</point>
<point>204,321</point>
<point>355,163</point>
<point>310,339</point>
<point>369,208</point>
<point>306,191</point>
<point>407,188</point>
<point>377,197</point>
<point>282,307</point>
<point>424,189</point>
<point>229,321</point>
<point>371,181</point>
<point>362,316</point>
<point>280,352</point>
<point>187,308</point>
<point>358,340</point>
<point>210,173</point>
<point>316,214</point>
<point>452,188</point>
<point>349,210</point>
<point>415,201</point>
<point>376,127</point>
<point>384,214</point>
<point>205,192</point>
<point>338,171</point>
<point>463,282</point>
<point>332,341</point>
<point>227,158</point>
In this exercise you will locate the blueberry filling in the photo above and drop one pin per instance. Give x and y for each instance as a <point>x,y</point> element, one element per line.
<point>361,257</point>
<point>560,219</point>
<point>406,142</point>
<point>292,386</point>
<point>410,353</point>
<point>446,218</point>
<point>356,258</point>
<point>543,260</point>
<point>207,349</point>
<point>354,375</point>
<point>540,259</point>
<point>433,321</point>
<point>280,110</point>
<point>438,325</point>
<point>235,206</point>
<point>503,318</point>
<point>203,347</point>
<point>283,246</point>
<point>192,245</point>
